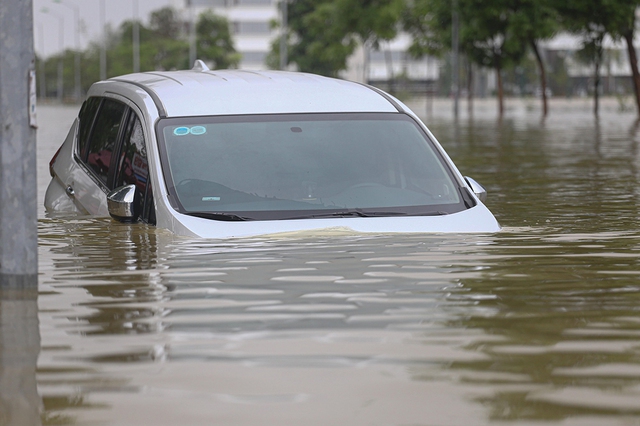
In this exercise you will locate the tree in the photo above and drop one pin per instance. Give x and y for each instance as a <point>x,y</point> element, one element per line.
<point>429,22</point>
<point>624,27</point>
<point>372,20</point>
<point>494,40</point>
<point>322,34</point>
<point>165,23</point>
<point>535,20</point>
<point>163,46</point>
<point>315,43</point>
<point>588,20</point>
<point>213,41</point>
<point>488,33</point>
<point>593,20</point>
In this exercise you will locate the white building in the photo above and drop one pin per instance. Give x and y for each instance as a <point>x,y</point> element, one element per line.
<point>251,22</point>
<point>250,25</point>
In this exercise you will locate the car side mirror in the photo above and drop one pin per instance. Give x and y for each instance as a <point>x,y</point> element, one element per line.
<point>124,203</point>
<point>477,189</point>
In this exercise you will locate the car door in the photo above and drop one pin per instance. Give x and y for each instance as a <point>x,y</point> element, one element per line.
<point>99,133</point>
<point>111,152</point>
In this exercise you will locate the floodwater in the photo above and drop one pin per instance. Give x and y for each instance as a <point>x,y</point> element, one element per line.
<point>538,324</point>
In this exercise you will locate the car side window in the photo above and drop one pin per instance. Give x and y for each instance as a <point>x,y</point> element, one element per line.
<point>132,163</point>
<point>85,122</point>
<point>133,167</point>
<point>103,138</point>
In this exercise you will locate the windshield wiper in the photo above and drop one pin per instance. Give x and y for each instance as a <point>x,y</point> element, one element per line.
<point>362,213</point>
<point>316,215</point>
<point>229,217</point>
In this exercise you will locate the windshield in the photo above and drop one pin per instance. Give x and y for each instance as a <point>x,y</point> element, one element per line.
<point>304,165</point>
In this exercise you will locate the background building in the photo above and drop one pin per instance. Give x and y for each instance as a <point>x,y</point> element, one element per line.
<point>250,25</point>
<point>253,32</point>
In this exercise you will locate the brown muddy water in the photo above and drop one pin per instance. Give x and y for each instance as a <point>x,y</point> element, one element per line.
<point>537,324</point>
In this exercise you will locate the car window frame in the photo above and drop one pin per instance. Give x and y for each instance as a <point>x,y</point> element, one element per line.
<point>466,199</point>
<point>82,157</point>
<point>148,214</point>
<point>82,144</point>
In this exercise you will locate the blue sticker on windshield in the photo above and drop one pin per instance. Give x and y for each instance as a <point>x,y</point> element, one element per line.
<point>181,131</point>
<point>198,130</point>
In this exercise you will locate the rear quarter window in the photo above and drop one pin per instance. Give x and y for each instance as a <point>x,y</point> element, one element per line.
<point>85,123</point>
<point>103,138</point>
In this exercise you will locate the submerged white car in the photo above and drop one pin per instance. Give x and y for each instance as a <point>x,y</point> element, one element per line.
<point>221,154</point>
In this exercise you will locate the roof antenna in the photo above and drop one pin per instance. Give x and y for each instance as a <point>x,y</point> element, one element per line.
<point>199,65</point>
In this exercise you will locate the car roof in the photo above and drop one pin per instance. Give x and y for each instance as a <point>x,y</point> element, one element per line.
<point>229,92</point>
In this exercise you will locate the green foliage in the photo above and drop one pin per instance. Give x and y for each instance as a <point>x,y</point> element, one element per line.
<point>370,20</point>
<point>488,34</point>
<point>213,41</point>
<point>164,23</point>
<point>163,46</point>
<point>322,34</point>
<point>590,18</point>
<point>594,19</point>
<point>492,33</point>
<point>429,23</point>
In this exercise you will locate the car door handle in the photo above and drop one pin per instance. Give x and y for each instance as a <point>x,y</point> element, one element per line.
<point>70,191</point>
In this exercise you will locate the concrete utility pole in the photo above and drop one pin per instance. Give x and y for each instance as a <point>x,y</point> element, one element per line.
<point>18,184</point>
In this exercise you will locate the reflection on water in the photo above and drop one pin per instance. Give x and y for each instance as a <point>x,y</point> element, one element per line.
<point>19,347</point>
<point>537,324</point>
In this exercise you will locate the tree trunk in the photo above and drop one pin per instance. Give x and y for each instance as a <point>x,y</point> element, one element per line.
<point>470,87</point>
<point>500,91</point>
<point>391,79</point>
<point>633,60</point>
<point>596,86</point>
<point>543,77</point>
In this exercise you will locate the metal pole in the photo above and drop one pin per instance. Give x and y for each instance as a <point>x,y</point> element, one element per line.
<point>283,36</point>
<point>60,62</point>
<point>192,34</point>
<point>103,46</point>
<point>43,86</point>
<point>136,38</point>
<point>60,89</point>
<point>455,47</point>
<point>78,78</point>
<point>76,66</point>
<point>18,184</point>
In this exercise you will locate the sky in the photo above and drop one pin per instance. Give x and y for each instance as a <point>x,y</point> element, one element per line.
<point>49,14</point>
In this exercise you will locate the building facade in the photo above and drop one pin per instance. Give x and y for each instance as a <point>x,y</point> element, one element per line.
<point>253,33</point>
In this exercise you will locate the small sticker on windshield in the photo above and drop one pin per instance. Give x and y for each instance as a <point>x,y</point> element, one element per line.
<point>198,130</point>
<point>195,130</point>
<point>210,198</point>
